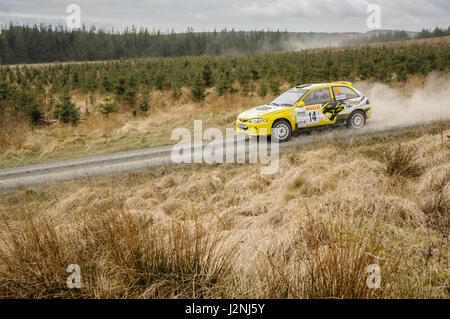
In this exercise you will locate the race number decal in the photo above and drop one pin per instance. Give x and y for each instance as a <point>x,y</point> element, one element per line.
<point>313,114</point>
<point>313,117</point>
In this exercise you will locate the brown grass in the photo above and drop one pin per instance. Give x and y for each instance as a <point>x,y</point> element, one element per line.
<point>402,160</point>
<point>97,134</point>
<point>122,256</point>
<point>226,231</point>
<point>12,134</point>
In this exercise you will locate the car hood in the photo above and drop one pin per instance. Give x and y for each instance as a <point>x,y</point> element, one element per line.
<point>261,111</point>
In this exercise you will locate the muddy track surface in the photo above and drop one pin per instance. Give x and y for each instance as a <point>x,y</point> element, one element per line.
<point>151,157</point>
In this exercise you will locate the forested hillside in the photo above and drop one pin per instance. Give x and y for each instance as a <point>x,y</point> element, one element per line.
<point>392,36</point>
<point>23,44</point>
<point>36,44</point>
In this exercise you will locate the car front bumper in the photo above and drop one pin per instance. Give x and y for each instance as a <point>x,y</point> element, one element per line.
<point>255,129</point>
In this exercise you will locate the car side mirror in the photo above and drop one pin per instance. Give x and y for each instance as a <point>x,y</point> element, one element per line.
<point>300,104</point>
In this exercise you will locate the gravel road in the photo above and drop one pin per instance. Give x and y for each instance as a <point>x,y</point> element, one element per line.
<point>146,158</point>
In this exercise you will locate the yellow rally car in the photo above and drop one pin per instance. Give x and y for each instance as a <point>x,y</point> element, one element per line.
<point>305,107</point>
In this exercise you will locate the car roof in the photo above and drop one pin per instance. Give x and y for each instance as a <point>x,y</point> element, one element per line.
<point>319,85</point>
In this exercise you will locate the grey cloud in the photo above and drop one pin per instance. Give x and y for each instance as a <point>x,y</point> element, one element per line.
<point>4,7</point>
<point>203,15</point>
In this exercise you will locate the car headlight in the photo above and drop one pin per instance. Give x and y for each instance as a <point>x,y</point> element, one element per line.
<point>257,121</point>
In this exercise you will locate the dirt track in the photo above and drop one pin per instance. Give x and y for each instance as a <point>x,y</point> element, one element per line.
<point>145,158</point>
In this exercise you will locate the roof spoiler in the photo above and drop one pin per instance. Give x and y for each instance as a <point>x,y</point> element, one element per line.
<point>302,86</point>
<point>343,82</point>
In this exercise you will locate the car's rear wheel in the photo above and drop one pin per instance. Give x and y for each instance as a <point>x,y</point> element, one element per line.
<point>357,120</point>
<point>281,131</point>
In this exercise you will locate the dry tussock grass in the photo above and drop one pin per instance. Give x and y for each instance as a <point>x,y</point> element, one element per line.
<point>402,160</point>
<point>122,256</point>
<point>12,134</point>
<point>324,258</point>
<point>226,231</point>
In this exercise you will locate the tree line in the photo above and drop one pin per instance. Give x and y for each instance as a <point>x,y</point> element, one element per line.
<point>393,36</point>
<point>41,43</point>
<point>46,43</point>
<point>437,32</point>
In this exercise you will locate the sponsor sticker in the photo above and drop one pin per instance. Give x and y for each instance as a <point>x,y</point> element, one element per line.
<point>313,107</point>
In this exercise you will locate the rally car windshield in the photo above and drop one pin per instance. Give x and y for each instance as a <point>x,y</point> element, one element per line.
<point>289,98</point>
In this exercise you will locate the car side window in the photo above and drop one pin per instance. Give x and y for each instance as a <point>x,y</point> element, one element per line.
<point>344,93</point>
<point>318,96</point>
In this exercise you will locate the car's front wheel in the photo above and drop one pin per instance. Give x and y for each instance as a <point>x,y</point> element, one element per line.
<point>357,120</point>
<point>281,131</point>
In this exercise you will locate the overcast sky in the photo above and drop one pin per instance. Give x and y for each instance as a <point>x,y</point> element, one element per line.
<point>205,15</point>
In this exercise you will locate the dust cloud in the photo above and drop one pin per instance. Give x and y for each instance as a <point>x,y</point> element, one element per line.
<point>407,106</point>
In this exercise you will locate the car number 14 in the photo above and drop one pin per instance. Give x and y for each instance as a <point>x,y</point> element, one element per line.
<point>313,117</point>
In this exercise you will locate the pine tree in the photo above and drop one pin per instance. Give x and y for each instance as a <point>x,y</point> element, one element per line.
<point>107,107</point>
<point>244,76</point>
<point>144,105</point>
<point>208,76</point>
<point>262,92</point>
<point>66,111</point>
<point>198,89</point>
<point>33,111</point>
<point>176,92</point>
<point>223,85</point>
<point>4,95</point>
<point>160,81</point>
<point>29,105</point>
<point>275,86</point>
